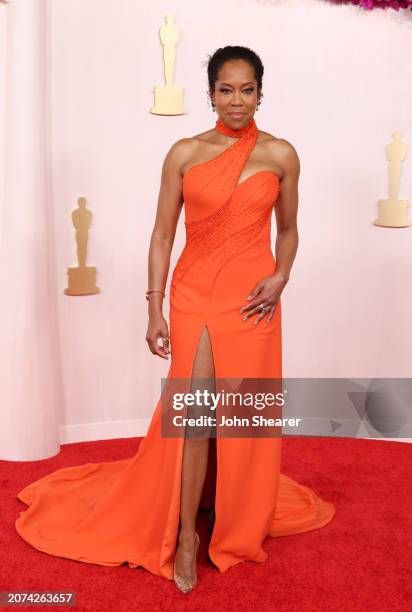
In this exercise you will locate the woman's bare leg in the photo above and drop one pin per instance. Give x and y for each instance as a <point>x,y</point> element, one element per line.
<point>195,459</point>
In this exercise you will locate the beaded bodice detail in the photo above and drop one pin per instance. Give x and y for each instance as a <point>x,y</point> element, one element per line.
<point>238,213</point>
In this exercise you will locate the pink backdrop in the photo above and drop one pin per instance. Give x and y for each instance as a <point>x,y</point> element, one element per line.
<point>75,112</point>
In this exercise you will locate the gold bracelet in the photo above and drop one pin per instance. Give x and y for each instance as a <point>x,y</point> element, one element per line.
<point>154,291</point>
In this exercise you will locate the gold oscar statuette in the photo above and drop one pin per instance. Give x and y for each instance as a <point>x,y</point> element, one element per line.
<point>168,97</point>
<point>82,280</point>
<point>392,211</point>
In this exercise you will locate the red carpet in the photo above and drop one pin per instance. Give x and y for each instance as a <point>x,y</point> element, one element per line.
<point>361,561</point>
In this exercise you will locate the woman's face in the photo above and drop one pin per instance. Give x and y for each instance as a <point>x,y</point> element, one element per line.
<point>235,94</point>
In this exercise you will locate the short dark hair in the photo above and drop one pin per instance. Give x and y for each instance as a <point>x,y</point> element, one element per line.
<point>228,53</point>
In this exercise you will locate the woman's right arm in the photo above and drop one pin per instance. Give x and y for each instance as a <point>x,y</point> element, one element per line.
<point>169,206</point>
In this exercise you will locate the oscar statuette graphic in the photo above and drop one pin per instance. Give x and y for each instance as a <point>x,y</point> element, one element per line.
<point>392,211</point>
<point>82,280</point>
<point>168,97</point>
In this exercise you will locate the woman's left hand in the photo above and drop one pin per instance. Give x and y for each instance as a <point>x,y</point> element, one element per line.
<point>267,293</point>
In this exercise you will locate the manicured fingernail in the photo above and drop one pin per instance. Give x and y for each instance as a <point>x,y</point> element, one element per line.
<point>244,318</point>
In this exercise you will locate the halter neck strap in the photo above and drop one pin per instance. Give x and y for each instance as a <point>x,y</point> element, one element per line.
<point>242,131</point>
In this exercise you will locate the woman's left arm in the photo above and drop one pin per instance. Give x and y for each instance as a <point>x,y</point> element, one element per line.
<point>268,290</point>
<point>286,210</point>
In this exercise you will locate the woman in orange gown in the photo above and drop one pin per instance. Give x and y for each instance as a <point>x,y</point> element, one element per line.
<point>132,510</point>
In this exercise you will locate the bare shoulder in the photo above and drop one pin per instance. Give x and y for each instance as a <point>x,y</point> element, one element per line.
<point>180,149</point>
<point>177,156</point>
<point>185,149</point>
<point>282,152</point>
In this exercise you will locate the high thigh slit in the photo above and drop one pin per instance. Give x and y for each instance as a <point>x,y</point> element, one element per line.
<point>127,511</point>
<point>201,383</point>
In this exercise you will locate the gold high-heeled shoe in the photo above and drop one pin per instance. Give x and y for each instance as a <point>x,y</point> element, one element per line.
<point>186,585</point>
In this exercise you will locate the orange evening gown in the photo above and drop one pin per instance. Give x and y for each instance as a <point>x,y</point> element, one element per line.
<point>114,512</point>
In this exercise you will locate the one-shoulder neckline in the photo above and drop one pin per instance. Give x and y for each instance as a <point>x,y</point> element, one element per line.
<point>274,174</point>
<point>227,151</point>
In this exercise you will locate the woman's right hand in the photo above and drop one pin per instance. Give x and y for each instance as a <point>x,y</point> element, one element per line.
<point>158,328</point>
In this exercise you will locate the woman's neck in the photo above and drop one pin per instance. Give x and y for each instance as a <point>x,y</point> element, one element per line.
<point>228,131</point>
